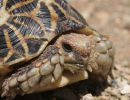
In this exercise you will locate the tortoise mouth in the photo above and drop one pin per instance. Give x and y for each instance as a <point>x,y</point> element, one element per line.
<point>78,64</point>
<point>74,67</point>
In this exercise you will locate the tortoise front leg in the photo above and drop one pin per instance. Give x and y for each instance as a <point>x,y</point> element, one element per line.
<point>37,75</point>
<point>44,73</point>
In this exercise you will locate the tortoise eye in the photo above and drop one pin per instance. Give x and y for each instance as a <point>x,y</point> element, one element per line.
<point>67,47</point>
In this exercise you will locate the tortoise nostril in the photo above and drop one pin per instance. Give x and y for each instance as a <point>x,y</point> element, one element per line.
<point>67,47</point>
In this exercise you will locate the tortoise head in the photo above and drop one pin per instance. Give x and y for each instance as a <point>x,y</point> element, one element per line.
<point>92,53</point>
<point>75,49</point>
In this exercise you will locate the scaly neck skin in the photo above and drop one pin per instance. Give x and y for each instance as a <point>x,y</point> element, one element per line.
<point>4,15</point>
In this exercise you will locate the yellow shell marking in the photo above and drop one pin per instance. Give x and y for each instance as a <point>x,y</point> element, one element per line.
<point>4,15</point>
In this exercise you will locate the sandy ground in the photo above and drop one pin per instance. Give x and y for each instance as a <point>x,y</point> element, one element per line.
<point>111,17</point>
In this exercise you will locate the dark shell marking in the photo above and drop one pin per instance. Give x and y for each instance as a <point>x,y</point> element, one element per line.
<point>31,25</point>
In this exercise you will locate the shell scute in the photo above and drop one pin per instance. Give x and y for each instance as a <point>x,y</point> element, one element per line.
<point>21,6</point>
<point>44,15</point>
<point>34,45</point>
<point>31,25</point>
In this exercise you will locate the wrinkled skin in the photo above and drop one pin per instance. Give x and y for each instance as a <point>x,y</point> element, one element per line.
<point>66,61</point>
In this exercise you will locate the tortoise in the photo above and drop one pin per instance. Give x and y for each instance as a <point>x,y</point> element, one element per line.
<point>46,44</point>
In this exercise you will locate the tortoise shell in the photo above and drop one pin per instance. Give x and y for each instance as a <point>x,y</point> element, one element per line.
<point>27,26</point>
